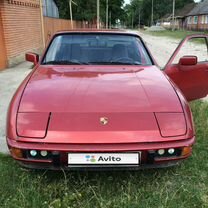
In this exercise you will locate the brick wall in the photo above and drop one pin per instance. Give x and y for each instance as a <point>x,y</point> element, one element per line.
<point>191,25</point>
<point>22,28</point>
<point>203,22</point>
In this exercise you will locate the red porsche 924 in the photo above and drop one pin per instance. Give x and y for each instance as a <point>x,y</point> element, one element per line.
<point>97,99</point>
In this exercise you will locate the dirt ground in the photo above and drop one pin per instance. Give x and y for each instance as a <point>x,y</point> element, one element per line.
<point>161,48</point>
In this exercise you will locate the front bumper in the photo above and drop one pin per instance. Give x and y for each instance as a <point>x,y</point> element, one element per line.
<point>59,152</point>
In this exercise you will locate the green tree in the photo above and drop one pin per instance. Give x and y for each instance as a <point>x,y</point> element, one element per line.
<point>144,8</point>
<point>87,10</point>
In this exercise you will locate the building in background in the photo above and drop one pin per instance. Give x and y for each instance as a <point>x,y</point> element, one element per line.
<point>26,25</point>
<point>193,16</point>
<point>50,9</point>
<point>197,18</point>
<point>20,30</point>
<point>180,19</point>
<point>180,16</point>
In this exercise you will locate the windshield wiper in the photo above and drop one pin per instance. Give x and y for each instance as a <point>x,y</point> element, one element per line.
<point>65,62</point>
<point>125,63</point>
<point>116,63</point>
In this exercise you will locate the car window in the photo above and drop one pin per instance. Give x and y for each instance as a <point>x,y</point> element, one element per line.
<point>98,49</point>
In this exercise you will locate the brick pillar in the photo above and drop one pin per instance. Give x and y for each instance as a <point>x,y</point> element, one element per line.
<point>3,58</point>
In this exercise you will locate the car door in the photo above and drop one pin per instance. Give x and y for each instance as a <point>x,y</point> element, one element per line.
<point>188,67</point>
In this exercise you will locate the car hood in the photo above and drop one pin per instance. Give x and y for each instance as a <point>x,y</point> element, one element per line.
<point>68,104</point>
<point>99,89</point>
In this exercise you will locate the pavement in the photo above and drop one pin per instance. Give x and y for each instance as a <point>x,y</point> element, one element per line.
<point>10,79</point>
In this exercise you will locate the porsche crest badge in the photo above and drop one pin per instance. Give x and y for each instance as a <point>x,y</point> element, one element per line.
<point>104,120</point>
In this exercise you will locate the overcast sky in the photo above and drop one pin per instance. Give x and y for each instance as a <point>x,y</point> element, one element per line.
<point>128,1</point>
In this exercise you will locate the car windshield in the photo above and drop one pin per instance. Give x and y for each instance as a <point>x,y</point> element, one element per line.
<point>97,49</point>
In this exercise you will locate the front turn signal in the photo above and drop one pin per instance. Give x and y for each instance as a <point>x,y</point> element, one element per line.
<point>16,152</point>
<point>186,151</point>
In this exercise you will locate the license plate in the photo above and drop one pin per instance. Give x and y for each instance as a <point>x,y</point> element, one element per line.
<point>103,158</point>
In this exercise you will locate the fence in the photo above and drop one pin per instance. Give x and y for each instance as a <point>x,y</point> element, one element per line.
<point>52,25</point>
<point>21,29</point>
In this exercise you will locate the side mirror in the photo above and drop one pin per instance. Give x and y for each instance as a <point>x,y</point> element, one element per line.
<point>32,57</point>
<point>188,61</point>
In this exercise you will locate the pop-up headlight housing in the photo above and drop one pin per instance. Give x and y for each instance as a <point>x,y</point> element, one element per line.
<point>171,124</point>
<point>32,125</point>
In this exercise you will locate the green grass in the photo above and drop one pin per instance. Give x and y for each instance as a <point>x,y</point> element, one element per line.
<point>177,34</point>
<point>181,186</point>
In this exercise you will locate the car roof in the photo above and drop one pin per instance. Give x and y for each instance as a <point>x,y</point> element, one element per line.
<point>112,31</point>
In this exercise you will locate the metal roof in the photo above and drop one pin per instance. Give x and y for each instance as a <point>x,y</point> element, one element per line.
<point>200,8</point>
<point>180,13</point>
<point>185,10</point>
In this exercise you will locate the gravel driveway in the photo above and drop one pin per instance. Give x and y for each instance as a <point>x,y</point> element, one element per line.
<point>161,48</point>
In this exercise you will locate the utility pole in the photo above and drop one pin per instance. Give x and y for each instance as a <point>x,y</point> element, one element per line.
<point>139,18</point>
<point>132,20</point>
<point>152,20</point>
<point>110,19</point>
<point>98,14</point>
<point>71,15</point>
<point>42,23</point>
<point>173,28</point>
<point>106,14</point>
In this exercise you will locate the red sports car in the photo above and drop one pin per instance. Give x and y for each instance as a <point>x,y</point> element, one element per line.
<point>97,99</point>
